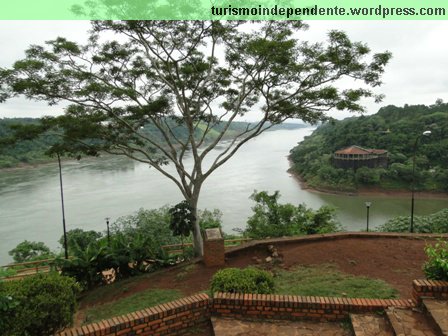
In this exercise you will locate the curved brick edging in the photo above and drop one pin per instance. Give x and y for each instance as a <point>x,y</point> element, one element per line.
<point>177,317</point>
<point>172,318</point>
<point>333,236</point>
<point>429,288</point>
<point>289,307</point>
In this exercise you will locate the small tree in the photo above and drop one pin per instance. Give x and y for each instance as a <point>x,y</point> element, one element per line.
<point>272,219</point>
<point>29,251</point>
<point>182,219</point>
<point>165,88</point>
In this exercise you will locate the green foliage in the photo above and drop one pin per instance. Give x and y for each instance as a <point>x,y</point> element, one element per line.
<point>152,223</point>
<point>368,176</point>
<point>271,219</point>
<point>78,238</point>
<point>210,219</point>
<point>86,265</point>
<point>135,246</point>
<point>134,254</point>
<point>30,251</point>
<point>182,219</point>
<point>248,280</point>
<point>24,151</point>
<point>7,306</point>
<point>392,128</point>
<point>6,272</point>
<point>41,304</point>
<point>433,223</point>
<point>436,268</point>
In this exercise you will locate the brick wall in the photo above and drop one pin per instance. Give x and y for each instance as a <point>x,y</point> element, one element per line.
<point>429,288</point>
<point>214,251</point>
<point>180,316</point>
<point>288,307</point>
<point>172,318</point>
<point>332,236</point>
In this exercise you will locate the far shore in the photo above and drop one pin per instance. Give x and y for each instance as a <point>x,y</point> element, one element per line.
<point>24,166</point>
<point>374,191</point>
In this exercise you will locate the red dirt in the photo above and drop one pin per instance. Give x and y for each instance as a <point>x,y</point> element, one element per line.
<point>397,261</point>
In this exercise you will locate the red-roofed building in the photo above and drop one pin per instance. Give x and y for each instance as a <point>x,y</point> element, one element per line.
<point>354,157</point>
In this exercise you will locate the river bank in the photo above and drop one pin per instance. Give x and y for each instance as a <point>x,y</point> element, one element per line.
<point>372,191</point>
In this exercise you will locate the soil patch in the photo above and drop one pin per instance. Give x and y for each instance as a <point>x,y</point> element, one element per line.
<point>397,261</point>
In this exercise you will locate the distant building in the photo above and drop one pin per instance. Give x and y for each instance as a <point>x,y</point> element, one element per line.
<point>354,157</point>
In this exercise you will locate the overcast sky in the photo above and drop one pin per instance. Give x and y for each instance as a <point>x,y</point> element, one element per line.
<point>417,74</point>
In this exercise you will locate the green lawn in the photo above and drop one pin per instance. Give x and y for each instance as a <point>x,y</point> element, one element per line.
<point>326,280</point>
<point>138,301</point>
<point>321,280</point>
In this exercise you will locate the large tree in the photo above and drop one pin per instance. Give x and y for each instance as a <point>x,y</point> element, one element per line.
<point>195,75</point>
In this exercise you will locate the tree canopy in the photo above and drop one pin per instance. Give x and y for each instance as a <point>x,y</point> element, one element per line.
<point>197,74</point>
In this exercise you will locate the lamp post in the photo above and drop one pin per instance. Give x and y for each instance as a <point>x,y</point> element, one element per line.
<point>108,233</point>
<point>425,133</point>
<point>62,204</point>
<point>368,204</point>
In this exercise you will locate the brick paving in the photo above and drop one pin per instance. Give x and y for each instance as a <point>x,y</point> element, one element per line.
<point>231,327</point>
<point>370,325</point>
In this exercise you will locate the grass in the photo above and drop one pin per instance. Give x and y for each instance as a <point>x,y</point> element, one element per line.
<point>326,280</point>
<point>138,301</point>
<point>319,280</point>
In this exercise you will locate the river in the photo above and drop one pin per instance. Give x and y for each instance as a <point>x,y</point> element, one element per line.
<point>112,187</point>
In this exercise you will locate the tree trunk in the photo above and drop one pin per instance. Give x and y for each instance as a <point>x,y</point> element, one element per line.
<point>197,235</point>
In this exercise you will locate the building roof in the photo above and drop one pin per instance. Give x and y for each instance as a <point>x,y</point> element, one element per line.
<point>360,151</point>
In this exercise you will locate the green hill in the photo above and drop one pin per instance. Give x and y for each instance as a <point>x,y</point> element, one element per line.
<point>392,128</point>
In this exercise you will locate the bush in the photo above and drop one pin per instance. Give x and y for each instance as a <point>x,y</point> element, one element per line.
<point>434,223</point>
<point>249,280</point>
<point>38,305</point>
<point>271,219</point>
<point>436,268</point>
<point>86,265</point>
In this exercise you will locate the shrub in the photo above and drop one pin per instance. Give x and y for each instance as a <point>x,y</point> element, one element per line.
<point>249,280</point>
<point>436,268</point>
<point>272,219</point>
<point>38,305</point>
<point>434,223</point>
<point>86,265</point>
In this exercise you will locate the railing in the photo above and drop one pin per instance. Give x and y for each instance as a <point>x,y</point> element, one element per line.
<point>44,266</point>
<point>29,268</point>
<point>178,248</point>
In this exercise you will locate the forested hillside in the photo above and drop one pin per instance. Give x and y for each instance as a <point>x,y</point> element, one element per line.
<point>22,152</point>
<point>33,152</point>
<point>392,128</point>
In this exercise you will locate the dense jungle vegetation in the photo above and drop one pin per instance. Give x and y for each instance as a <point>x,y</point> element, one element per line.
<point>392,128</point>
